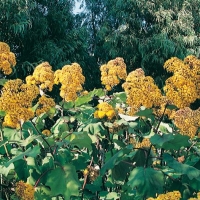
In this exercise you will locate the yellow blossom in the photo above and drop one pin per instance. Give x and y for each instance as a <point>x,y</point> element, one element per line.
<point>16,100</point>
<point>24,191</point>
<point>71,79</point>
<point>43,76</point>
<point>187,121</point>
<point>104,110</point>
<point>175,195</point>
<point>113,72</point>
<point>7,59</point>
<point>141,91</point>
<point>45,104</point>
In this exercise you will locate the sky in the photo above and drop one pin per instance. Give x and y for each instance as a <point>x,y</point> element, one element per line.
<point>76,8</point>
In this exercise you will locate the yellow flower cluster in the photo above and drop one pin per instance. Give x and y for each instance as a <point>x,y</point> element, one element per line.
<point>104,110</point>
<point>112,72</point>
<point>42,76</point>
<point>16,101</point>
<point>183,88</point>
<point>44,104</point>
<point>71,79</point>
<point>24,191</point>
<point>141,91</point>
<point>187,121</point>
<point>145,143</point>
<point>198,197</point>
<point>175,195</point>
<point>7,59</point>
<point>161,108</point>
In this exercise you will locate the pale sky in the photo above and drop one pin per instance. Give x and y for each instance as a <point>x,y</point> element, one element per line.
<point>76,8</point>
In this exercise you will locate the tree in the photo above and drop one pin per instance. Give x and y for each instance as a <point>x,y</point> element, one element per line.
<point>144,33</point>
<point>43,30</point>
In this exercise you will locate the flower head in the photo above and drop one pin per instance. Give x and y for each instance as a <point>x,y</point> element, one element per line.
<point>24,191</point>
<point>43,76</point>
<point>7,59</point>
<point>112,72</point>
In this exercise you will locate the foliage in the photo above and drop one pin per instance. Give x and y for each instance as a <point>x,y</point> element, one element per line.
<point>93,147</point>
<point>42,30</point>
<point>144,33</point>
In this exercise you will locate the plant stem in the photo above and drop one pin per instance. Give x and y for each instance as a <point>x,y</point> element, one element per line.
<point>51,150</point>
<point>37,182</point>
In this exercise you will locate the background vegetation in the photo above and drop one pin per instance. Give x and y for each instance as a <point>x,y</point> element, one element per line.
<point>135,137</point>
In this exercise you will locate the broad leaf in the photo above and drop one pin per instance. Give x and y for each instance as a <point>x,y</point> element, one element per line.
<point>147,181</point>
<point>82,140</point>
<point>181,168</point>
<point>159,140</point>
<point>112,162</point>
<point>32,152</point>
<point>94,128</point>
<point>177,142</point>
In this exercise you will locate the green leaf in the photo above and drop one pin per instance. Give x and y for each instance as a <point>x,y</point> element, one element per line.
<point>5,170</point>
<point>67,105</point>
<point>60,126</point>
<point>121,95</point>
<point>94,128</point>
<point>161,139</point>
<point>112,162</point>
<point>28,140</point>
<point>145,113</point>
<point>56,181</point>
<point>29,127</point>
<point>120,171</point>
<point>11,134</point>
<point>95,186</point>
<point>171,107</point>
<point>63,181</point>
<point>2,113</point>
<point>177,142</point>
<point>181,168</point>
<point>40,121</point>
<point>147,181</point>
<point>32,152</point>
<point>82,100</point>
<point>109,195</point>
<point>96,92</point>
<point>82,140</point>
<point>3,81</point>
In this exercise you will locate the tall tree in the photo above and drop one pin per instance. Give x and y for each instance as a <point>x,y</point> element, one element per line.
<point>43,30</point>
<point>144,33</point>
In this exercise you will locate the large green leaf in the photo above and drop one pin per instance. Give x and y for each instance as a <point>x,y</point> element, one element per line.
<point>32,152</point>
<point>146,181</point>
<point>94,128</point>
<point>11,134</point>
<point>29,127</point>
<point>120,171</point>
<point>177,142</point>
<point>63,181</point>
<point>159,140</point>
<point>114,160</point>
<point>181,168</point>
<point>2,113</point>
<point>5,170</point>
<point>81,139</point>
<point>60,126</point>
<point>145,113</point>
<point>3,81</point>
<point>86,98</point>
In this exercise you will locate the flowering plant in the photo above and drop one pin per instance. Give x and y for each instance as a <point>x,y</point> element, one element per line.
<point>141,143</point>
